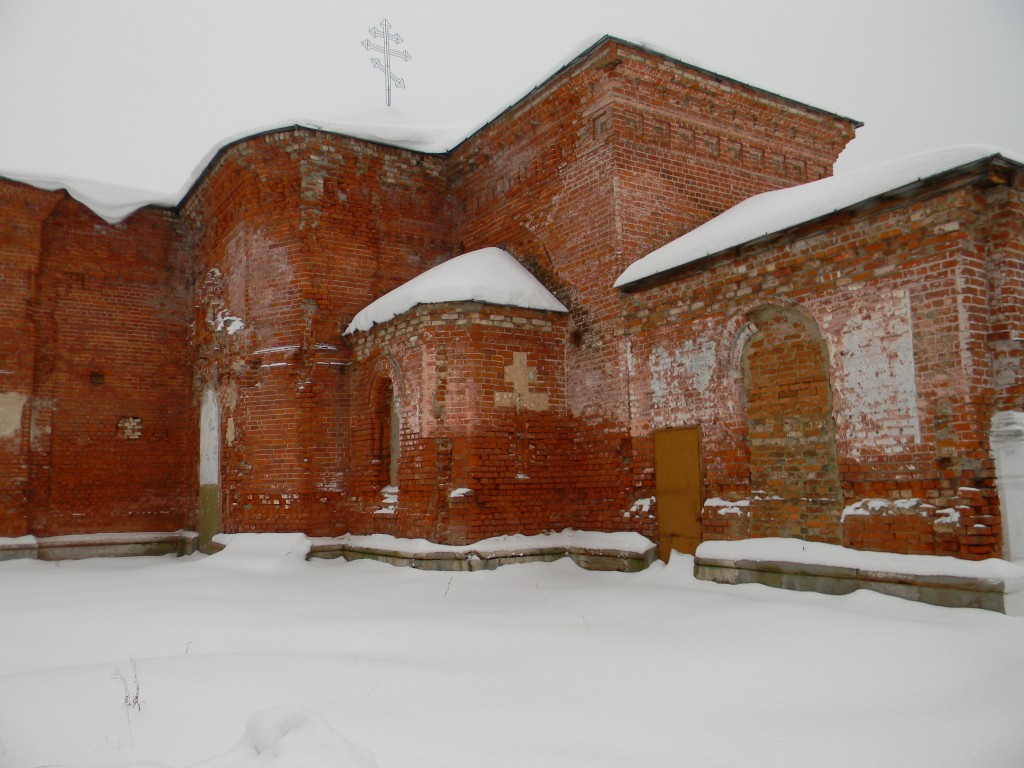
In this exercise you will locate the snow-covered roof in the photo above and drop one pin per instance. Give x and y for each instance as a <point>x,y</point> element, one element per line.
<point>114,203</point>
<point>110,202</point>
<point>387,126</point>
<point>774,212</point>
<point>489,275</point>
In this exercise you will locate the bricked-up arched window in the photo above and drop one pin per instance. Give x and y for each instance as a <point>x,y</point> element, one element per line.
<point>386,431</point>
<point>791,431</point>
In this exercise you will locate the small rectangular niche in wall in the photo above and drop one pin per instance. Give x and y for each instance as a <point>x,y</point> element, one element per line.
<point>129,427</point>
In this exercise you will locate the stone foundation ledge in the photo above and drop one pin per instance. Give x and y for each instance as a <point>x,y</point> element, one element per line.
<point>993,584</point>
<point>593,550</point>
<point>81,546</point>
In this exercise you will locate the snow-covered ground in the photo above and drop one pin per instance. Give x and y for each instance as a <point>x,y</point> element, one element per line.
<point>335,663</point>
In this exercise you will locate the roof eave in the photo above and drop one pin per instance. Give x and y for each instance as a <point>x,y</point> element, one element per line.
<point>966,171</point>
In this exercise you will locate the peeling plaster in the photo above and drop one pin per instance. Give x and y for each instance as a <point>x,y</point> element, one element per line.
<point>12,407</point>
<point>38,432</point>
<point>688,367</point>
<point>874,378</point>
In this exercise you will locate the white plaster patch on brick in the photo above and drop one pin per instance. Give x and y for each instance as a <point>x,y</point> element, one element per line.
<point>688,367</point>
<point>12,407</point>
<point>39,432</point>
<point>1004,371</point>
<point>521,376</point>
<point>252,258</point>
<point>873,372</point>
<point>458,493</point>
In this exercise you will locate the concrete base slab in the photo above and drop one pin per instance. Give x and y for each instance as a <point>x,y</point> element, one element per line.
<point>991,594</point>
<point>81,546</point>
<point>594,558</point>
<point>591,558</point>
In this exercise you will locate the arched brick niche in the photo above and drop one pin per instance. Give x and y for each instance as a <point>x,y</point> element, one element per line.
<point>794,468</point>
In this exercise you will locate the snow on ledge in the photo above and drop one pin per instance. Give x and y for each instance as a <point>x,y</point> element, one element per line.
<point>817,553</point>
<point>774,212</point>
<point>490,275</point>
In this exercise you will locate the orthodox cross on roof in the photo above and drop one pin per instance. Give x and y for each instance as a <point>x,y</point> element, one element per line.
<point>388,38</point>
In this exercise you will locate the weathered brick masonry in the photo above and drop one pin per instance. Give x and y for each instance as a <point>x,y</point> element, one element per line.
<point>487,445</point>
<point>294,232</point>
<point>100,371</point>
<point>623,150</point>
<point>845,367</point>
<point>843,375</point>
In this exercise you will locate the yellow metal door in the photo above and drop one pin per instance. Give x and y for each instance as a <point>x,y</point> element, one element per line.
<point>679,486</point>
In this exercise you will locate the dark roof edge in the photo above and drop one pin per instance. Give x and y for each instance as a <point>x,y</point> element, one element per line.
<point>968,169</point>
<point>719,76</point>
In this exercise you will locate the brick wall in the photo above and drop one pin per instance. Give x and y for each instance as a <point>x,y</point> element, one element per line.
<point>690,144</point>
<point>621,152</point>
<point>23,212</point>
<point>111,372</point>
<point>294,232</point>
<point>486,438</point>
<point>794,472</point>
<point>901,294</point>
<point>1000,235</point>
<point>843,376</point>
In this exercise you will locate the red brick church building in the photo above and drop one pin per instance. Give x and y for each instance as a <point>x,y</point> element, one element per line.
<point>848,373</point>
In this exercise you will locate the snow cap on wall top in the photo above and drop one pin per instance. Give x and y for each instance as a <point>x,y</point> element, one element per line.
<point>110,202</point>
<point>774,212</point>
<point>489,275</point>
<point>114,203</point>
<point>388,126</point>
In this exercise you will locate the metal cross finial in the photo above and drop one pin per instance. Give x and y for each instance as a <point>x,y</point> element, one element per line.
<point>388,38</point>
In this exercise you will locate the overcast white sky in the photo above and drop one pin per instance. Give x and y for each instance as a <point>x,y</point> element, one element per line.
<point>136,92</point>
